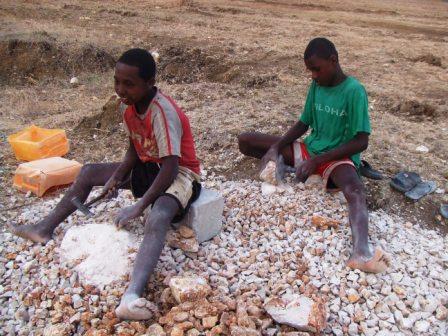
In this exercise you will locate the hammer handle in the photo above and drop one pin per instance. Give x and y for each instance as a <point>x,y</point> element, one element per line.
<point>100,196</point>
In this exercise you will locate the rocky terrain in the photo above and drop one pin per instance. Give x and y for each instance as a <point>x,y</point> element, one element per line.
<point>270,247</point>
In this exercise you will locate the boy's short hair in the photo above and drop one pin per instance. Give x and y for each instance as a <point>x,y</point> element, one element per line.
<point>141,59</point>
<point>320,47</point>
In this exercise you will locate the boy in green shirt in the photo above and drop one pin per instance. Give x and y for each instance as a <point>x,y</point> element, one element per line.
<point>336,109</point>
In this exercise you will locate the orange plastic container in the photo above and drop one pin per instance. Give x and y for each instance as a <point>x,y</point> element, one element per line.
<point>34,143</point>
<point>40,175</point>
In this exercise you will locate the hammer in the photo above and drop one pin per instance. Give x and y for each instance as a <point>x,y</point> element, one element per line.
<point>84,208</point>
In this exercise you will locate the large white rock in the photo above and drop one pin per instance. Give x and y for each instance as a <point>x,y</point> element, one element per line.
<point>189,288</point>
<point>421,327</point>
<point>205,215</point>
<point>268,173</point>
<point>298,311</point>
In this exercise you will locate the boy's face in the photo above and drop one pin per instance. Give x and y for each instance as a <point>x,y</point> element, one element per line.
<point>322,70</point>
<point>129,86</point>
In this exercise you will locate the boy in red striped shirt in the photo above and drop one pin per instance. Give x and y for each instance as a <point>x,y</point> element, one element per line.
<point>161,166</point>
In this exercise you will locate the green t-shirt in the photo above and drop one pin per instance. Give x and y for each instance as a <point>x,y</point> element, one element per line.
<point>335,114</point>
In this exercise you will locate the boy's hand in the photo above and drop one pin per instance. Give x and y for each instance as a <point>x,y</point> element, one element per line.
<point>305,169</point>
<point>127,214</point>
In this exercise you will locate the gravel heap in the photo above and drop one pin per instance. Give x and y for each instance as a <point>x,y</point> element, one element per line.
<point>269,247</point>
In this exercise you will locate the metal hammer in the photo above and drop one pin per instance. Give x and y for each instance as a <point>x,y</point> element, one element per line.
<point>84,208</point>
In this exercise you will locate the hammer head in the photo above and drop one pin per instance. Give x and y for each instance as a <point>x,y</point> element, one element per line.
<point>81,207</point>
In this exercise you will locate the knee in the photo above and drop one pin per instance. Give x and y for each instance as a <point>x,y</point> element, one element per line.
<point>244,143</point>
<point>85,174</point>
<point>157,222</point>
<point>354,192</point>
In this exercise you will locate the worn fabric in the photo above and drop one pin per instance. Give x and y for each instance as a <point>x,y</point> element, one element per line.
<point>335,114</point>
<point>185,189</point>
<point>163,130</point>
<point>301,153</point>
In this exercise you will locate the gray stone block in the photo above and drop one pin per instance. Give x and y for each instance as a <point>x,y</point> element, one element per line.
<point>205,215</point>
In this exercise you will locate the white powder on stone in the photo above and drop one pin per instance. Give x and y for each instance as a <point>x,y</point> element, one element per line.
<point>103,249</point>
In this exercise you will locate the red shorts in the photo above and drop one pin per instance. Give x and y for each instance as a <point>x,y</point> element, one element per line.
<point>300,153</point>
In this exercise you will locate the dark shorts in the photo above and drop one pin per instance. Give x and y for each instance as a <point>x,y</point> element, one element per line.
<point>185,189</point>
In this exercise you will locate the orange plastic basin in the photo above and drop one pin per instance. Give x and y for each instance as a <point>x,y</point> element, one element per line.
<point>40,175</point>
<point>34,143</point>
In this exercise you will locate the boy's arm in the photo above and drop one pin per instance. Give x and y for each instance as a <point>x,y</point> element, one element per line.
<point>165,177</point>
<point>358,144</point>
<point>295,132</point>
<point>129,161</point>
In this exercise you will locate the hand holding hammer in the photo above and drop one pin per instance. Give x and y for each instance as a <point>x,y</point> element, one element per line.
<point>84,208</point>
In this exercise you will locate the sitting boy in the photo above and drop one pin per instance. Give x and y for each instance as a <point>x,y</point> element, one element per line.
<point>160,164</point>
<point>336,109</point>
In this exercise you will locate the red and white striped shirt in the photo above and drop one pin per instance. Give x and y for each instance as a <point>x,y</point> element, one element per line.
<point>163,130</point>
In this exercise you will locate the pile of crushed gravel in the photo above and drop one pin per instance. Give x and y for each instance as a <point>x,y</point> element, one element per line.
<point>268,248</point>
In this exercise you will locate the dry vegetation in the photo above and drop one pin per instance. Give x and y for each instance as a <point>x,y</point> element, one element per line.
<point>233,66</point>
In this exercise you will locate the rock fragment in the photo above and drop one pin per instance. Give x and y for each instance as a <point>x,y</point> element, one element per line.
<point>74,81</point>
<point>242,331</point>
<point>268,173</point>
<point>175,240</point>
<point>186,232</point>
<point>298,311</point>
<point>189,288</point>
<point>324,222</point>
<point>209,322</point>
<point>60,329</point>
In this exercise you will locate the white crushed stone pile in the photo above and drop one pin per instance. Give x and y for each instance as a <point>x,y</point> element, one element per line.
<point>103,249</point>
<point>268,248</point>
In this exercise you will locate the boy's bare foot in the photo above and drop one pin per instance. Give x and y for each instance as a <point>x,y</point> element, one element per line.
<point>377,264</point>
<point>31,232</point>
<point>133,307</point>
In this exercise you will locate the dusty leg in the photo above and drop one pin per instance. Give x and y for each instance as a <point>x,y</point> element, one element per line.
<point>256,144</point>
<point>91,175</point>
<point>346,178</point>
<point>132,305</point>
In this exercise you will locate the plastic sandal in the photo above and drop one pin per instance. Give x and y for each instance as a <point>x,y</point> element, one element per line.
<point>367,171</point>
<point>405,181</point>
<point>421,189</point>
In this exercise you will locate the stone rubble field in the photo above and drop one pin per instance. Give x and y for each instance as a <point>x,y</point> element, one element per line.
<point>286,247</point>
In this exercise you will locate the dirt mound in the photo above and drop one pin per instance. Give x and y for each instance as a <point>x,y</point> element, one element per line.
<point>102,133</point>
<point>412,109</point>
<point>430,59</point>
<point>108,119</point>
<point>124,13</point>
<point>229,10</point>
<point>180,64</point>
<point>261,81</point>
<point>416,110</point>
<point>39,56</point>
